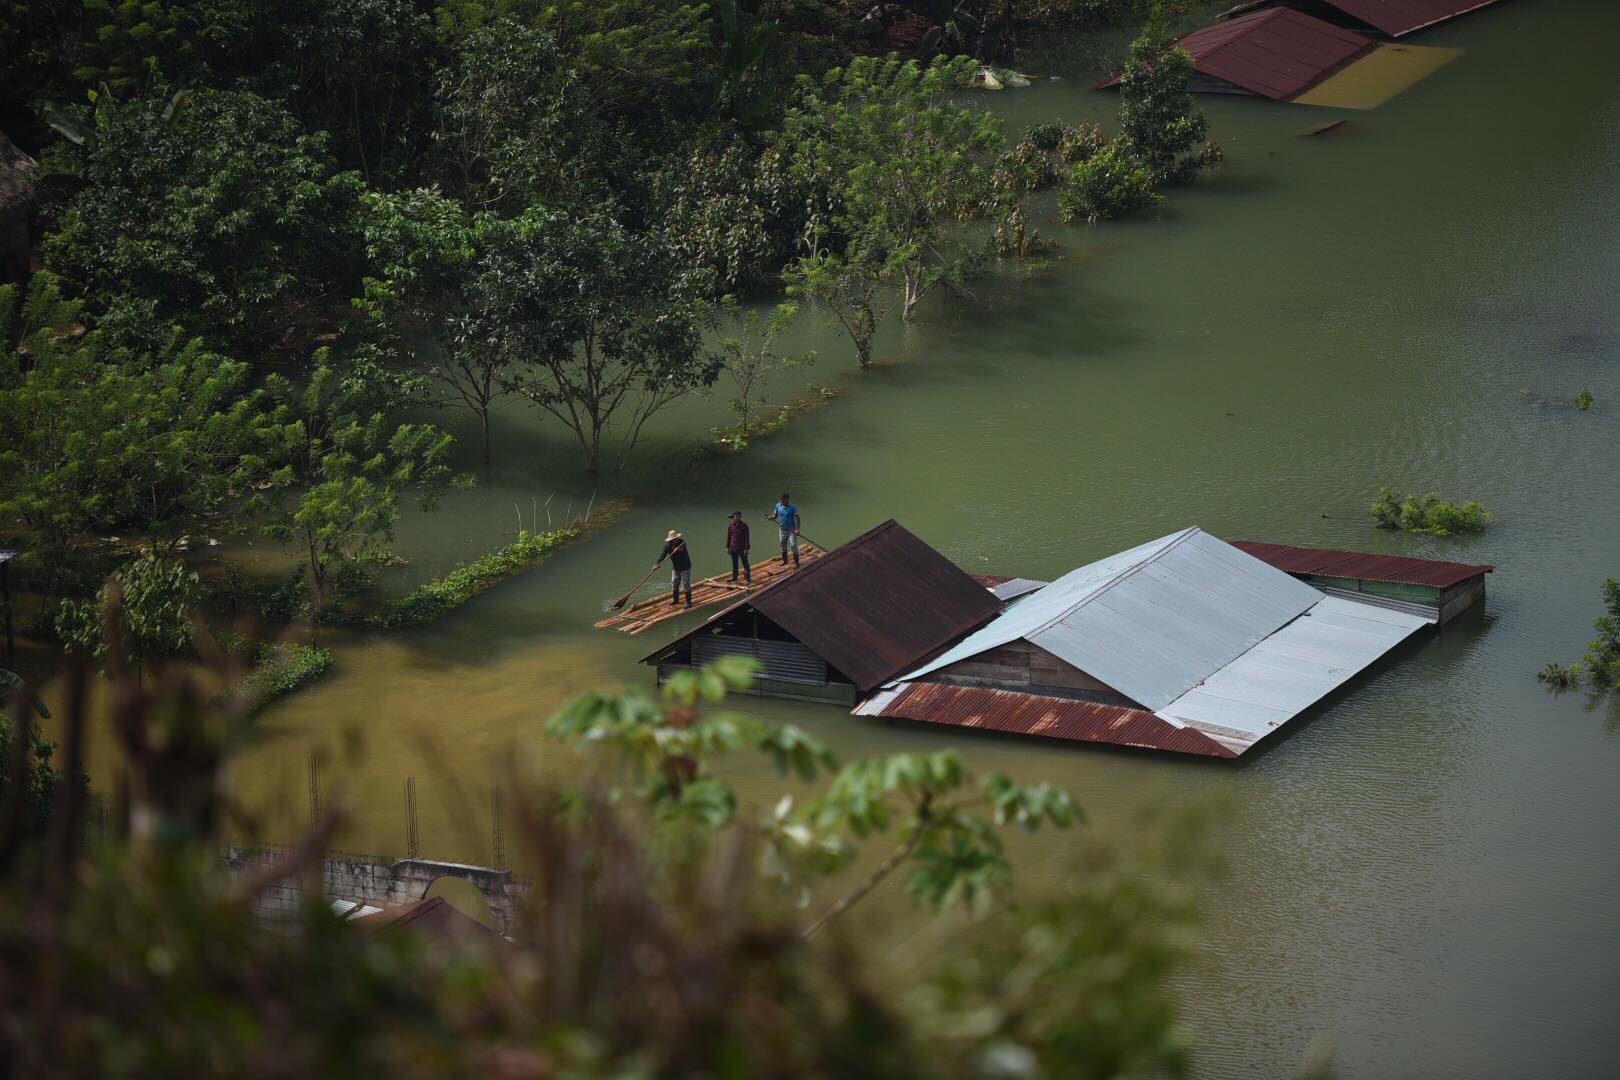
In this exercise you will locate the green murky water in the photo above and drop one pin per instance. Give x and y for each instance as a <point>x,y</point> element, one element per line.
<point>1427,871</point>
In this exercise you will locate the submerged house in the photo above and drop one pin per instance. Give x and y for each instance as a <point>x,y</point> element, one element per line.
<point>1186,643</point>
<point>1391,18</point>
<point>844,624</point>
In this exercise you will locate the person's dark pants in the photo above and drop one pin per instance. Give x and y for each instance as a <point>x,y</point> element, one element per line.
<point>740,558</point>
<point>681,579</point>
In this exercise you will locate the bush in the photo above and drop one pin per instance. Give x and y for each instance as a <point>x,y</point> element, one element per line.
<point>1110,184</point>
<point>283,667</point>
<point>1603,652</point>
<point>1584,399</point>
<point>441,595</point>
<point>1429,515</point>
<point>1560,677</point>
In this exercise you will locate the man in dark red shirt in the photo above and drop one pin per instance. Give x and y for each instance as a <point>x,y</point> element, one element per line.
<point>737,547</point>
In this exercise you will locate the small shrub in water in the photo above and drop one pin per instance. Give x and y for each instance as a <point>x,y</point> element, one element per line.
<point>282,668</point>
<point>1584,399</point>
<point>1110,184</point>
<point>1430,515</point>
<point>1560,677</point>
<point>1603,652</point>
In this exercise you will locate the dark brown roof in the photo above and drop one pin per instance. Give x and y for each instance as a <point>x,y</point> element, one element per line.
<point>877,606</point>
<point>1362,566</point>
<point>1037,714</point>
<point>15,187</point>
<point>1277,52</point>
<point>1400,17</point>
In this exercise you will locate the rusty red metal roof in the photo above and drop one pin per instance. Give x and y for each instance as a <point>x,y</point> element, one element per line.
<point>1277,53</point>
<point>1036,714</point>
<point>434,916</point>
<point>879,605</point>
<point>1362,566</point>
<point>1400,17</point>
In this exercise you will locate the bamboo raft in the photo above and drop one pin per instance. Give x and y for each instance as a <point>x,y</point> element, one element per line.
<point>709,591</point>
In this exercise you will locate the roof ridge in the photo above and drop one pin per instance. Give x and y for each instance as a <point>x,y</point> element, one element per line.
<point>1119,575</point>
<point>782,584</point>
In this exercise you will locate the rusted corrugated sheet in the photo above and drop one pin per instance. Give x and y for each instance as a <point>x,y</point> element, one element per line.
<point>879,605</point>
<point>1277,53</point>
<point>1362,566</point>
<point>1400,17</point>
<point>1033,714</point>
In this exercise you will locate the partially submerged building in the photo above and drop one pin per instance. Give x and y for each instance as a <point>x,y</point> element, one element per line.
<point>1186,643</point>
<point>1390,18</point>
<point>839,627</point>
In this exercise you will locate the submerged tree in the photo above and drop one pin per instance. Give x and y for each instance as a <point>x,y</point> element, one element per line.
<point>1158,124</point>
<point>346,466</point>
<point>600,318</point>
<point>144,612</point>
<point>907,163</point>
<point>749,354</point>
<point>851,285</point>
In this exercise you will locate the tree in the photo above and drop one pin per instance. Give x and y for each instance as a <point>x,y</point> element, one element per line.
<point>1109,184</point>
<point>602,319</point>
<point>665,749</point>
<point>336,496</point>
<point>109,440</point>
<point>143,612</point>
<point>851,284</point>
<point>215,213</point>
<point>510,123</point>
<point>34,776</point>
<point>750,356</point>
<point>429,298</point>
<point>1157,121</point>
<point>907,163</point>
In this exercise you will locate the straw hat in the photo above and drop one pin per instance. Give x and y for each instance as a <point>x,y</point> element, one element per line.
<point>673,535</point>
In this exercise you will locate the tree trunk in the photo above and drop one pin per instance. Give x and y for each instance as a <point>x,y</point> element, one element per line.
<point>483,416</point>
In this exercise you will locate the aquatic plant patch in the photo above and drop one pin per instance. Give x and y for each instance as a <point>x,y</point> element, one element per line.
<point>433,599</point>
<point>282,668</point>
<point>1429,515</point>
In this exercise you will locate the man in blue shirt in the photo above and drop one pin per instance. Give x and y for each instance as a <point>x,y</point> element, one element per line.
<point>787,519</point>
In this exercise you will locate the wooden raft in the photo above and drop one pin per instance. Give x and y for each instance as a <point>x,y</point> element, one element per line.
<point>655,609</point>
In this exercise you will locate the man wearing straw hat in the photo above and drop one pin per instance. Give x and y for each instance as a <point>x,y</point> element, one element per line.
<point>680,562</point>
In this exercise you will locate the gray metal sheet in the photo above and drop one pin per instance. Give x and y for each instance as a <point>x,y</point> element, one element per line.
<point>1016,587</point>
<point>1291,669</point>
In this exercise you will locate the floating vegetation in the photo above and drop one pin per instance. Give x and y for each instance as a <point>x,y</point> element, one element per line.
<point>737,438</point>
<point>444,594</point>
<point>282,668</point>
<point>1430,515</point>
<point>1584,399</point>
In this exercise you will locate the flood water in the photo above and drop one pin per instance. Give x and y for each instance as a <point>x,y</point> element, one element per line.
<point>1424,872</point>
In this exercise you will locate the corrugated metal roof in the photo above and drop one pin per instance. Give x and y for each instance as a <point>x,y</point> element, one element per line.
<point>1013,588</point>
<point>1400,17</point>
<point>880,604</point>
<point>1152,621</point>
<point>1290,670</point>
<point>1362,566</point>
<point>1032,714</point>
<point>1277,52</point>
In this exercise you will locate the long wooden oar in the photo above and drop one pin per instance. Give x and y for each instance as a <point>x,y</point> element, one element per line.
<point>625,599</point>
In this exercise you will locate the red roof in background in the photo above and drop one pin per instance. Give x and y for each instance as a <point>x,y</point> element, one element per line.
<point>1277,52</point>
<point>1037,714</point>
<point>872,608</point>
<point>1399,17</point>
<point>435,917</point>
<point>1360,565</point>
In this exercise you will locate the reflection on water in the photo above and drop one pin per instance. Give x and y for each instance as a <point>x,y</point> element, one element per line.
<point>1425,870</point>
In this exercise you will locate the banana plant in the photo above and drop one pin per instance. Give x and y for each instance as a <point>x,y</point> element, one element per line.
<point>952,24</point>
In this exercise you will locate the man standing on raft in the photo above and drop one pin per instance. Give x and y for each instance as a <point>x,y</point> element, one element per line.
<point>787,519</point>
<point>680,561</point>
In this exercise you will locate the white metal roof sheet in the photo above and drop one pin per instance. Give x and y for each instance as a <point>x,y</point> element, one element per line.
<point>1290,670</point>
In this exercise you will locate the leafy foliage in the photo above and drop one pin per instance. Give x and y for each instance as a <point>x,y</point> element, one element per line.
<point>441,595</point>
<point>153,601</point>
<point>1109,184</point>
<point>1560,676</point>
<point>102,439</point>
<point>749,355</point>
<point>281,668</point>
<point>36,775</point>
<point>222,217</point>
<point>908,161</point>
<point>1158,124</point>
<point>1584,399</point>
<point>1603,652</point>
<point>1430,515</point>
<point>337,497</point>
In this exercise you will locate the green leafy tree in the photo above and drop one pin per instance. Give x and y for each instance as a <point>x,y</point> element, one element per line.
<point>220,216</point>
<point>152,444</point>
<point>1158,123</point>
<point>143,613</point>
<point>429,298</point>
<point>850,284</point>
<point>346,466</point>
<point>908,165</point>
<point>946,819</point>
<point>1603,652</point>
<point>748,354</point>
<point>510,126</point>
<point>28,786</point>
<point>602,319</point>
<point>1109,184</point>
